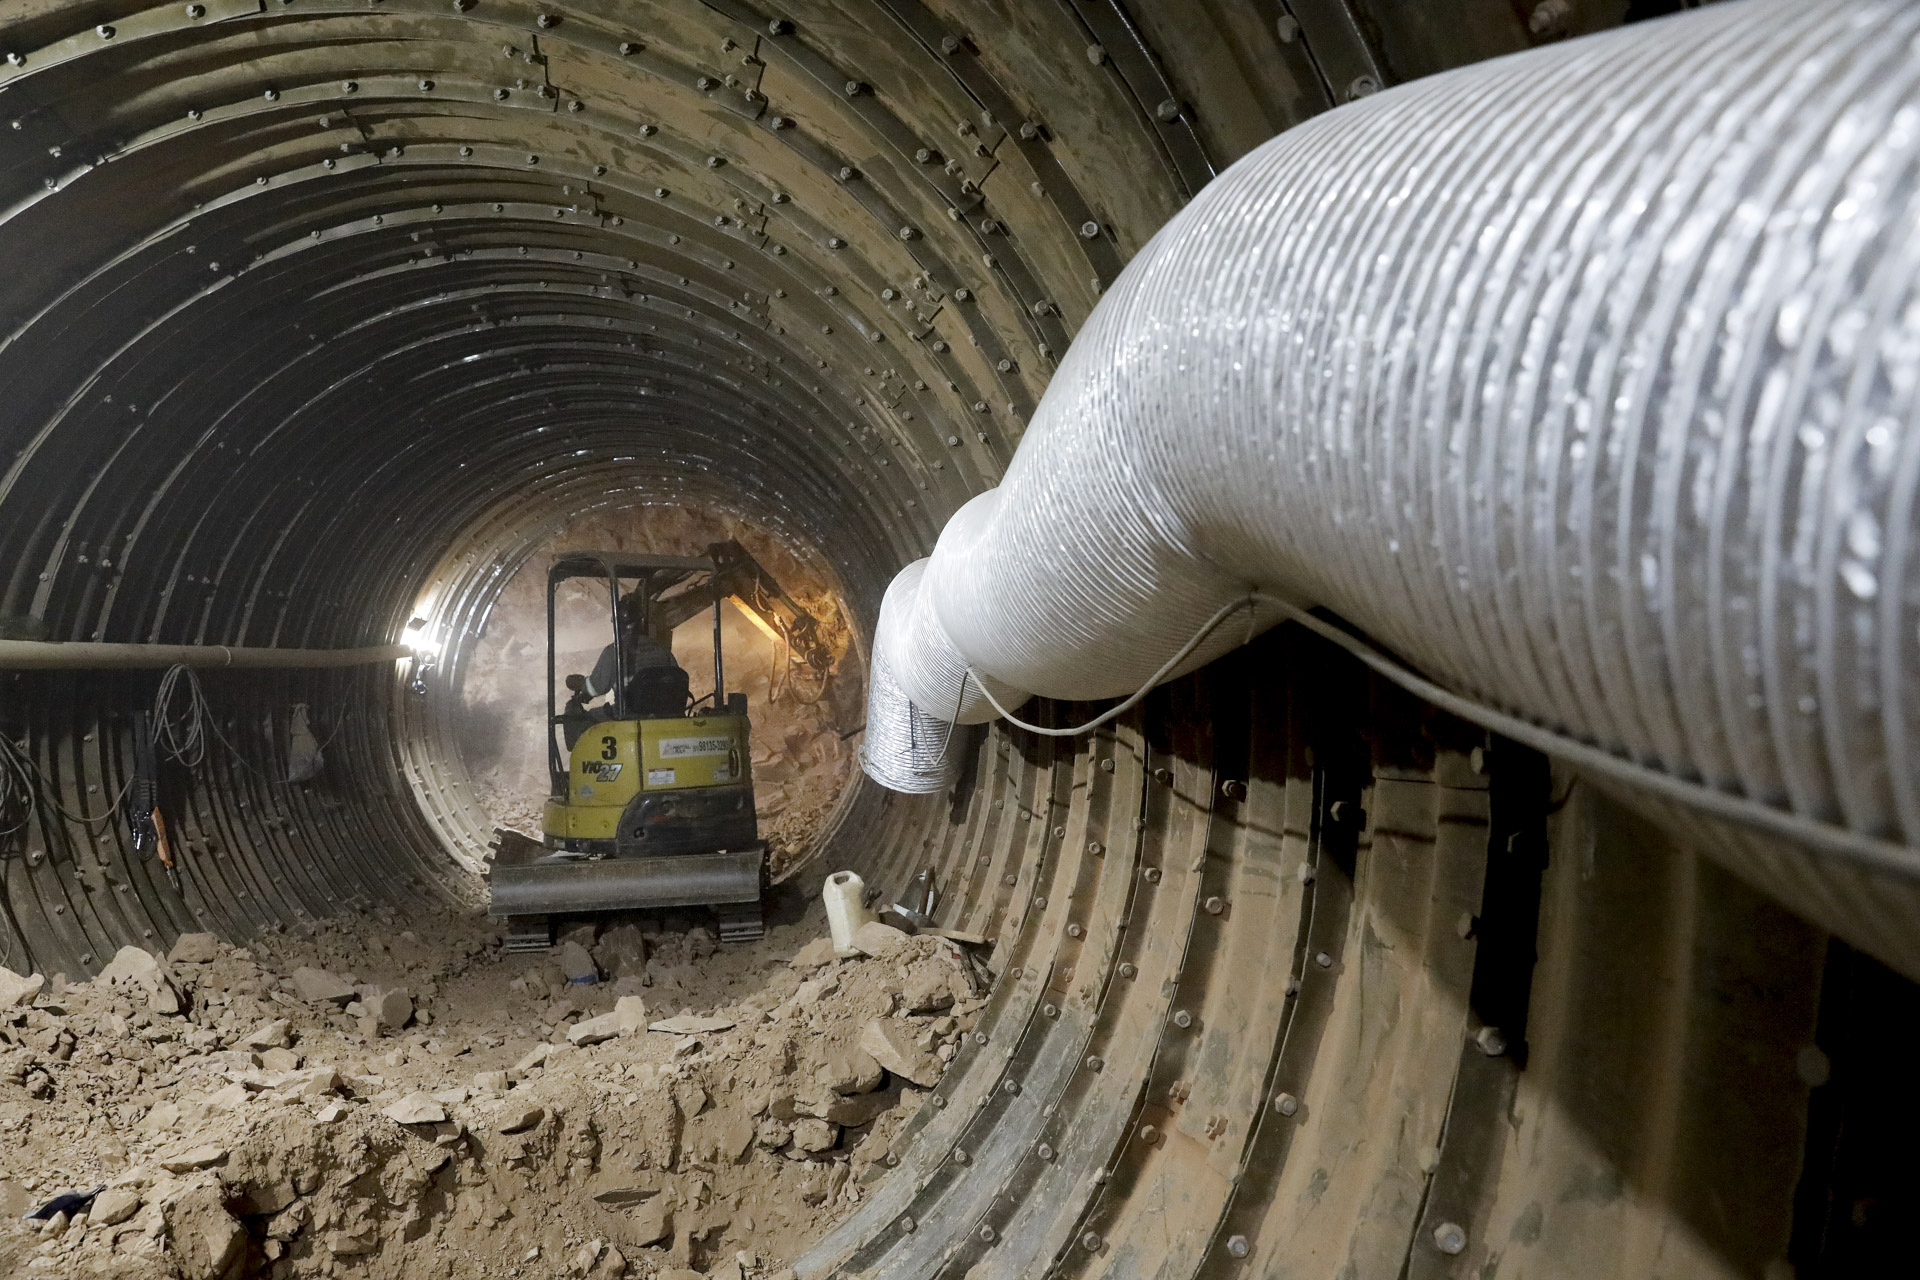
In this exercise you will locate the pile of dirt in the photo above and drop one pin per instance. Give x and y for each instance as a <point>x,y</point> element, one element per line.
<point>404,1098</point>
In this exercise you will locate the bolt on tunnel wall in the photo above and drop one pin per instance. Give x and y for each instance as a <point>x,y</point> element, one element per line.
<point>317,315</point>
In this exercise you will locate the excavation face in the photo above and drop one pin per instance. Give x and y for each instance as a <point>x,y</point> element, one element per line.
<point>319,323</point>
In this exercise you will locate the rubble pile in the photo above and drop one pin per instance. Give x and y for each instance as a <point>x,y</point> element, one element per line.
<point>389,1101</point>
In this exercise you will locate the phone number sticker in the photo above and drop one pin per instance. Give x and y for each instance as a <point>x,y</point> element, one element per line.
<point>680,748</point>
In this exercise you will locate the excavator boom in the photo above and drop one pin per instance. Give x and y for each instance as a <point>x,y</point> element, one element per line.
<point>759,595</point>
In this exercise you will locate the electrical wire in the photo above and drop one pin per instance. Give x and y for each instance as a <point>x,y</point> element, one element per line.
<point>1186,650</point>
<point>1869,851</point>
<point>185,740</point>
<point>22,782</point>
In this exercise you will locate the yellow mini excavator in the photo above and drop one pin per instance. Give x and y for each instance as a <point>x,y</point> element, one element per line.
<point>652,800</point>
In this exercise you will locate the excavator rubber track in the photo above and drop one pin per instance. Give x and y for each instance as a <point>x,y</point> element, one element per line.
<point>743,922</point>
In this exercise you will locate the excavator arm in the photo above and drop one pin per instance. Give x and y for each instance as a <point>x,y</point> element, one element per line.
<point>759,595</point>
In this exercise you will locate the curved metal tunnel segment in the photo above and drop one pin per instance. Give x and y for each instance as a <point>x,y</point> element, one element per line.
<point>318,312</point>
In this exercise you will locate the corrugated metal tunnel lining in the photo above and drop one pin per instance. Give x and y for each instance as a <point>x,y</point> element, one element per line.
<point>318,311</point>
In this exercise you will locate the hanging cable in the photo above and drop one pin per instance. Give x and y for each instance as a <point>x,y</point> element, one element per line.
<point>1879,854</point>
<point>1180,655</point>
<point>183,739</point>
<point>21,781</point>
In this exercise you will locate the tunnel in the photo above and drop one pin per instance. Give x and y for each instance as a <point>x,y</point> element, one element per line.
<point>320,320</point>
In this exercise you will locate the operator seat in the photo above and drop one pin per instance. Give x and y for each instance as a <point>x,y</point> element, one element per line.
<point>656,692</point>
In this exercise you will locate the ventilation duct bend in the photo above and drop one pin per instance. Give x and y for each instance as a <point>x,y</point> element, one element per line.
<point>1583,379</point>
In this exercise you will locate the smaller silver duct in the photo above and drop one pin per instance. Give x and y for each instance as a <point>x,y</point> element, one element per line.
<point>905,749</point>
<point>1586,381</point>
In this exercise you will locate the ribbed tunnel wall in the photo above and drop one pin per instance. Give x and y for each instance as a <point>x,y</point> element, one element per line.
<point>317,310</point>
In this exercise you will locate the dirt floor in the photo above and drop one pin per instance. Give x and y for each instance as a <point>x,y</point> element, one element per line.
<point>388,1097</point>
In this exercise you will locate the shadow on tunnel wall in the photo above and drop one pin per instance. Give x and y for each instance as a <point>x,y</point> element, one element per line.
<point>1378,984</point>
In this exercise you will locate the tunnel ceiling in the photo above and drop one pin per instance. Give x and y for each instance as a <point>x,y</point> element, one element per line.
<point>314,313</point>
<point>298,290</point>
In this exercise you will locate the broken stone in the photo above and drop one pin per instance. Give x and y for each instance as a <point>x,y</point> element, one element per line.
<point>850,1070</point>
<point>131,965</point>
<point>576,963</point>
<point>648,1223</point>
<point>16,990</point>
<point>207,1243</point>
<point>815,1135</point>
<point>194,948</point>
<point>490,1082</point>
<point>594,1030</point>
<point>814,990</point>
<point>535,1057</point>
<point>815,954</point>
<point>317,986</point>
<point>879,940</point>
<point>204,1156</point>
<point>519,1119</point>
<point>114,1206</point>
<point>891,1045</point>
<point>351,1244</point>
<point>314,1082</point>
<point>231,1098</point>
<point>415,1108</point>
<point>927,991</point>
<point>276,1034</point>
<point>623,952</point>
<point>688,1024</point>
<point>330,1112</point>
<point>857,1110</point>
<point>628,1015</point>
<point>164,1000</point>
<point>391,1009</point>
<point>280,1060</point>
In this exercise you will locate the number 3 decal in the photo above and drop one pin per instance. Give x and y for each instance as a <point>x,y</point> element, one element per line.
<point>610,749</point>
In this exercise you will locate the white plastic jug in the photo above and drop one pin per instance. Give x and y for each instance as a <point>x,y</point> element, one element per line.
<point>846,897</point>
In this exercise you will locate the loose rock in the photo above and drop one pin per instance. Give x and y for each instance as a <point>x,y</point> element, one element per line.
<point>576,962</point>
<point>415,1108</point>
<point>519,1119</point>
<point>879,940</point>
<point>194,948</point>
<point>891,1043</point>
<point>815,954</point>
<point>317,986</point>
<point>204,1156</point>
<point>17,990</point>
<point>274,1034</point>
<point>114,1206</point>
<point>392,1009</point>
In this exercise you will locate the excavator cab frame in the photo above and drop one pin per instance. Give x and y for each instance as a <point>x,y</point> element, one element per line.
<point>651,807</point>
<point>667,591</point>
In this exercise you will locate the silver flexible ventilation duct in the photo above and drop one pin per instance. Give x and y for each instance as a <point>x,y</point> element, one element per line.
<point>1583,380</point>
